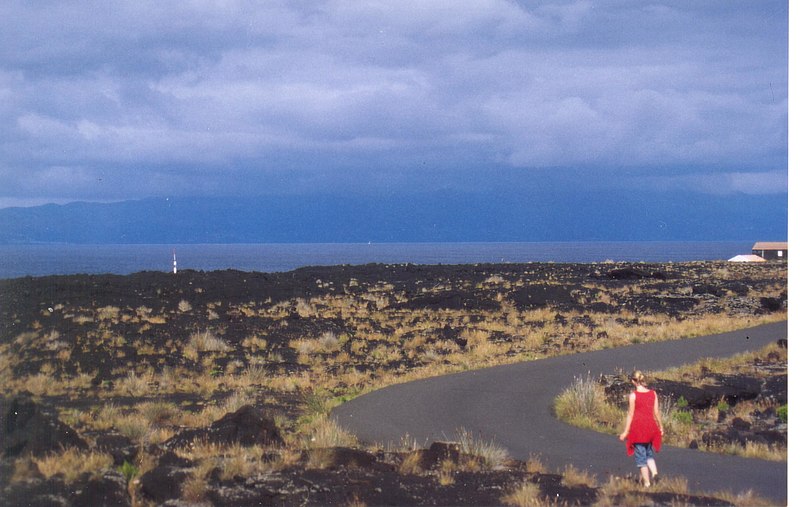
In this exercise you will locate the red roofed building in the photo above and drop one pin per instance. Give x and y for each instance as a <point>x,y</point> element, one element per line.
<point>772,250</point>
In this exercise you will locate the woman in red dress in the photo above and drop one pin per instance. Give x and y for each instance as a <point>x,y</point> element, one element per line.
<point>643,428</point>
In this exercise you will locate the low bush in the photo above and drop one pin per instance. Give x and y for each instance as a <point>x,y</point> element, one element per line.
<point>683,417</point>
<point>583,403</point>
<point>783,414</point>
<point>492,455</point>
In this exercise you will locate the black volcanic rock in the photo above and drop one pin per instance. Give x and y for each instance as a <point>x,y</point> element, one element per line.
<point>120,447</point>
<point>438,453</point>
<point>735,388</point>
<point>696,398</point>
<point>30,428</point>
<point>246,426</point>
<point>700,289</point>
<point>773,304</point>
<point>776,388</point>
<point>451,300</point>
<point>110,490</point>
<point>162,483</point>
<point>626,274</point>
<point>538,296</point>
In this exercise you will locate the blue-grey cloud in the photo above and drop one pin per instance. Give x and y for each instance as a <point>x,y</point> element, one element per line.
<point>104,100</point>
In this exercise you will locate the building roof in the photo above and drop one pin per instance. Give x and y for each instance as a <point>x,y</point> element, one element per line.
<point>771,245</point>
<point>747,258</point>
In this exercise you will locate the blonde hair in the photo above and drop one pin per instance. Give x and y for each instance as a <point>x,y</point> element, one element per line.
<point>638,377</point>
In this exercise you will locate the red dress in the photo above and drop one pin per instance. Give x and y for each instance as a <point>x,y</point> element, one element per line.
<point>644,428</point>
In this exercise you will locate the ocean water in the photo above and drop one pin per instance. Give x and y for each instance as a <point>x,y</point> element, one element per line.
<point>39,260</point>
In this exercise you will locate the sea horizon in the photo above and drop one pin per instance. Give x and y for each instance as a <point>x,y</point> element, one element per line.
<point>64,259</point>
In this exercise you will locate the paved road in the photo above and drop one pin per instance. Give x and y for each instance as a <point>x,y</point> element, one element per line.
<point>512,405</point>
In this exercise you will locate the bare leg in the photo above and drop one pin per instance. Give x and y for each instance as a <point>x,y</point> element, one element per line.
<point>645,476</point>
<point>651,464</point>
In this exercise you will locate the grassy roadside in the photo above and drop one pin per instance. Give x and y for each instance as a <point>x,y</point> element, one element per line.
<point>586,403</point>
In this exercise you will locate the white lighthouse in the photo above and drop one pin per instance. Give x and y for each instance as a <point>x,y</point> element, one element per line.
<point>174,262</point>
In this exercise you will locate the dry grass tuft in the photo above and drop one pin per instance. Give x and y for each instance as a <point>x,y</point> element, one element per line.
<point>751,449</point>
<point>446,473</point>
<point>134,426</point>
<point>240,461</point>
<point>571,477</point>
<point>159,413</point>
<point>411,464</point>
<point>72,463</point>
<point>677,484</point>
<point>327,343</point>
<point>583,404</point>
<point>287,457</point>
<point>255,343</point>
<point>534,465</point>
<point>254,375</point>
<point>204,341</point>
<point>108,313</point>
<point>40,384</point>
<point>494,457</point>
<point>135,385</point>
<point>195,487</point>
<point>525,494</point>
<point>323,432</point>
<point>319,459</point>
<point>356,501</point>
<point>236,400</point>
<point>616,486</point>
<point>24,470</point>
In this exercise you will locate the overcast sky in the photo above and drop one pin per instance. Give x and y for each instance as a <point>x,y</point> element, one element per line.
<point>105,100</point>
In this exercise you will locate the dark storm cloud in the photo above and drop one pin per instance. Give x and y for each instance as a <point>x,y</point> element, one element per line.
<point>105,100</point>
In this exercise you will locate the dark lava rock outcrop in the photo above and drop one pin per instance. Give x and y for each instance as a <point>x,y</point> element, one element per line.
<point>27,427</point>
<point>109,490</point>
<point>246,426</point>
<point>165,481</point>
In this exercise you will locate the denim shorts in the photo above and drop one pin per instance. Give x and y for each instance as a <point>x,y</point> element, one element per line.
<point>643,452</point>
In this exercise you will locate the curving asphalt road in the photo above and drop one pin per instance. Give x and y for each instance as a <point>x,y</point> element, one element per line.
<point>512,406</point>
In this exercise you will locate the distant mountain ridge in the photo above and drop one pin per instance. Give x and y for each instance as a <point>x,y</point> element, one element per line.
<point>429,217</point>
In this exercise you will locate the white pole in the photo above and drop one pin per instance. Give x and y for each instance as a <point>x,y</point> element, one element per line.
<point>174,262</point>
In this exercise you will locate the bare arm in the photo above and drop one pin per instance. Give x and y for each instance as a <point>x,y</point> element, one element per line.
<point>629,418</point>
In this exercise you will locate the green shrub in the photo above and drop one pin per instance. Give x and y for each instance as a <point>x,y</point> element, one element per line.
<point>683,417</point>
<point>128,470</point>
<point>783,414</point>
<point>723,406</point>
<point>682,403</point>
